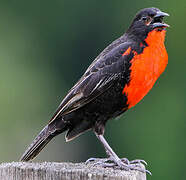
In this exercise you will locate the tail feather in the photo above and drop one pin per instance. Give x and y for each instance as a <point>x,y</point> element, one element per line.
<point>43,138</point>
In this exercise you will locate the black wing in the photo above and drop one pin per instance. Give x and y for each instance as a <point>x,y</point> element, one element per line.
<point>98,78</point>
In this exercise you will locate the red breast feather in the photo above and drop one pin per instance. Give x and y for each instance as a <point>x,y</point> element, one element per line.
<point>146,67</point>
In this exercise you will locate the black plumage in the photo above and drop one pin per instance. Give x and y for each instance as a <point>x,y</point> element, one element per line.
<point>98,96</point>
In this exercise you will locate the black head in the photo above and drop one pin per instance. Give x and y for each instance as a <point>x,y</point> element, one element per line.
<point>147,20</point>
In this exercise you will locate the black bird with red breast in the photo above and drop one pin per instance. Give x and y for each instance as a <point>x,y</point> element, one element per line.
<point>116,80</point>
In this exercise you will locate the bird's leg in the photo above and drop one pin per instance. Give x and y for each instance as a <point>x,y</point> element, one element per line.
<point>117,162</point>
<point>111,154</point>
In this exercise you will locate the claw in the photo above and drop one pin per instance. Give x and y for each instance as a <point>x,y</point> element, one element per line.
<point>90,159</point>
<point>137,168</point>
<point>148,172</point>
<point>105,165</point>
<point>125,160</point>
<point>138,161</point>
<point>123,163</point>
<point>98,160</point>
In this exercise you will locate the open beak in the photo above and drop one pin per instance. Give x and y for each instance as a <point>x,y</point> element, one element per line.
<point>158,20</point>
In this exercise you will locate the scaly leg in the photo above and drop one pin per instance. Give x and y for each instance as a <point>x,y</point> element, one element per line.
<point>116,161</point>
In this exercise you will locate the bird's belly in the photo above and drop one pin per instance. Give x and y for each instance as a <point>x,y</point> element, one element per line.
<point>145,70</point>
<point>108,105</point>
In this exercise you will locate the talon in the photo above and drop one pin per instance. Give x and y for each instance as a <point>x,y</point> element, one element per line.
<point>125,160</point>
<point>123,163</point>
<point>98,161</point>
<point>90,159</point>
<point>105,165</point>
<point>102,162</point>
<point>137,168</point>
<point>148,172</point>
<point>138,161</point>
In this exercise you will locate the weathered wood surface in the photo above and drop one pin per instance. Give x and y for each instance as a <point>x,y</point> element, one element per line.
<point>64,171</point>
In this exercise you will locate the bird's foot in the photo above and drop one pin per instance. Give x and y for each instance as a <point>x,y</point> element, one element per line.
<point>136,161</point>
<point>135,165</point>
<point>123,163</point>
<point>98,161</point>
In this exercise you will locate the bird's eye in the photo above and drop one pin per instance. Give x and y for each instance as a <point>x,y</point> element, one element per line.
<point>144,18</point>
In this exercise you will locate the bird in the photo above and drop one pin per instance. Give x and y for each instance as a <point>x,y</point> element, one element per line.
<point>121,75</point>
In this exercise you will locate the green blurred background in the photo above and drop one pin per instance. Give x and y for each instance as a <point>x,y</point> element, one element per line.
<point>45,46</point>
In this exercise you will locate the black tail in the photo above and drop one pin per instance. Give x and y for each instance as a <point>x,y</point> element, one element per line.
<point>43,138</point>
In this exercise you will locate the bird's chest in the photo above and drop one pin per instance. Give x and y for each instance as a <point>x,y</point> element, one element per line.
<point>145,70</point>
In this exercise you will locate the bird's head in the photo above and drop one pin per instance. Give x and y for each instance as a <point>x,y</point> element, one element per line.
<point>147,20</point>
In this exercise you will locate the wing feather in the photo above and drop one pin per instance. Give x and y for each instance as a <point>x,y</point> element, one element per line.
<point>98,78</point>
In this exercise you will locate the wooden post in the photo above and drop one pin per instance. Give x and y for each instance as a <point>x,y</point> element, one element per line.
<point>64,171</point>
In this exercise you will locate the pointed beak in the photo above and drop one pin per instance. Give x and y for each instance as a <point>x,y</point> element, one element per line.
<point>161,14</point>
<point>158,20</point>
